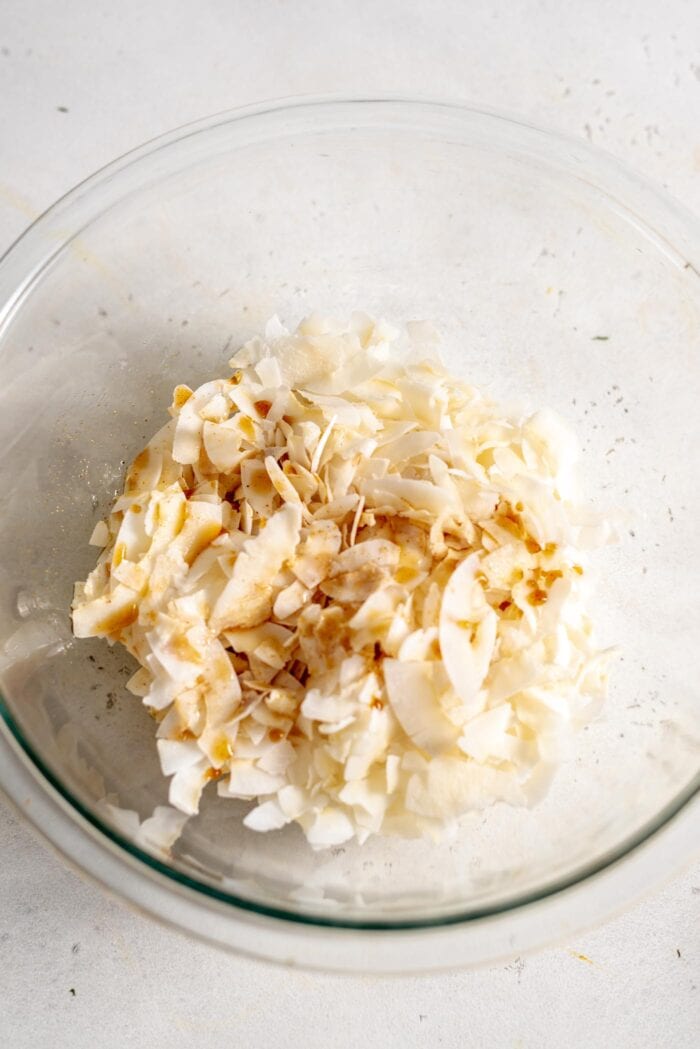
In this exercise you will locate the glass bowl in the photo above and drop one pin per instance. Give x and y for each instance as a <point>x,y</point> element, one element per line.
<point>557,278</point>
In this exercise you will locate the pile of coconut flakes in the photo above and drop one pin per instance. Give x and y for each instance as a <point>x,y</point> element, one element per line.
<point>354,586</point>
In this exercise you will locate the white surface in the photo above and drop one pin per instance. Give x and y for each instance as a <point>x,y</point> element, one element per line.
<point>630,80</point>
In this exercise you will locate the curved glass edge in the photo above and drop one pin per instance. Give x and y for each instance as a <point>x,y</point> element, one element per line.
<point>608,859</point>
<point>39,256</point>
<point>106,175</point>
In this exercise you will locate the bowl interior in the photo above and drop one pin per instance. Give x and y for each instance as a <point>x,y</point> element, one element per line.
<point>549,289</point>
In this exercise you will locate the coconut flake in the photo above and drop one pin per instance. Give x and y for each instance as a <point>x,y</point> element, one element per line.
<point>467,632</point>
<point>248,781</point>
<point>485,736</point>
<point>265,817</point>
<point>100,535</point>
<point>315,555</point>
<point>329,827</point>
<point>413,690</point>
<point>248,595</point>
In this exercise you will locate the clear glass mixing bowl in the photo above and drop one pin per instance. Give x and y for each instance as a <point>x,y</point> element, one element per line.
<point>557,278</point>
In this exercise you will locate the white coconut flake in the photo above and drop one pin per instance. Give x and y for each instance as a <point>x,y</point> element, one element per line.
<point>248,781</point>
<point>355,588</point>
<point>321,446</point>
<point>413,690</point>
<point>161,830</point>
<point>187,785</point>
<point>265,817</point>
<point>331,826</point>
<point>485,736</point>
<point>468,627</point>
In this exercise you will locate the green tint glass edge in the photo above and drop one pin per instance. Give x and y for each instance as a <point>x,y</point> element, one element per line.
<point>40,769</point>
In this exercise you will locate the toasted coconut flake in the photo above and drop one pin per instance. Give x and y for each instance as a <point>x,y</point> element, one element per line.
<point>317,552</point>
<point>379,553</point>
<point>100,535</point>
<point>354,587</point>
<point>106,615</point>
<point>248,595</point>
<point>190,422</point>
<point>257,488</point>
<point>281,483</point>
<point>290,600</point>
<point>222,443</point>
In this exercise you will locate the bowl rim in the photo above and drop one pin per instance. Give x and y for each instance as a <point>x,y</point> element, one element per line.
<point>21,268</point>
<point>553,919</point>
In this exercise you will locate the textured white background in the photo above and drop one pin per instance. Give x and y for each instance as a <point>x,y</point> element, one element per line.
<point>81,82</point>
